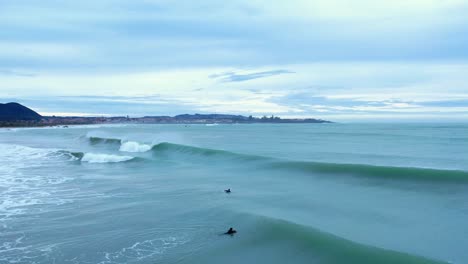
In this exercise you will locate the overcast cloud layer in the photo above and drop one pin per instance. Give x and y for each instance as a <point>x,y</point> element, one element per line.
<point>338,60</point>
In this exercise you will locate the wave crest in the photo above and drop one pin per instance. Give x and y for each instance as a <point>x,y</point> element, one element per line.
<point>104,158</point>
<point>361,170</point>
<point>133,146</point>
<point>101,140</point>
<point>336,169</point>
<point>125,146</point>
<point>364,170</point>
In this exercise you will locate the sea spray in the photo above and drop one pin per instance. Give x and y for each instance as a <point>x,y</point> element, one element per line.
<point>104,158</point>
<point>133,146</point>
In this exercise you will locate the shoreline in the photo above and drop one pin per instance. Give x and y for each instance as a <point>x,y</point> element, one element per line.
<point>180,119</point>
<point>67,125</point>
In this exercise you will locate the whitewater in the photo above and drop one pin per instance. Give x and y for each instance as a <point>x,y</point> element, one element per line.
<point>301,193</point>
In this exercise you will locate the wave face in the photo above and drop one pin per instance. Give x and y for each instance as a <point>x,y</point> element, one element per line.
<point>125,145</point>
<point>290,242</point>
<point>186,152</point>
<point>328,248</point>
<point>360,170</point>
<point>178,148</point>
<point>100,140</point>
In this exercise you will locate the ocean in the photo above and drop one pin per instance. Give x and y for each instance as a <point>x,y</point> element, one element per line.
<point>301,193</point>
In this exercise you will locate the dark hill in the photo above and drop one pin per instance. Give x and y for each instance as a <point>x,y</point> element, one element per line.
<point>15,111</point>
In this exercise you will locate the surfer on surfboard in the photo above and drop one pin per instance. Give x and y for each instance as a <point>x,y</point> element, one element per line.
<point>231,231</point>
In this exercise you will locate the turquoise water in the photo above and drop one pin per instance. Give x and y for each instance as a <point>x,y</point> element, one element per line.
<point>301,193</point>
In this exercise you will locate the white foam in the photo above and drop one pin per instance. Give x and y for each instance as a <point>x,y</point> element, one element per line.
<point>104,158</point>
<point>14,157</point>
<point>214,124</point>
<point>9,151</point>
<point>20,189</point>
<point>133,146</point>
<point>148,249</point>
<point>14,250</point>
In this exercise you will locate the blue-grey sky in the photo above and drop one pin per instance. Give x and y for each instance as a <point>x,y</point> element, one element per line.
<point>332,59</point>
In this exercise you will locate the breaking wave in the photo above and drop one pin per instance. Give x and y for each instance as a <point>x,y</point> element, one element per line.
<point>104,158</point>
<point>21,190</point>
<point>133,146</point>
<point>125,146</point>
<point>363,170</point>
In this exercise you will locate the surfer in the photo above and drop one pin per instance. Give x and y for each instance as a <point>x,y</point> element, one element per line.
<point>228,190</point>
<point>231,231</point>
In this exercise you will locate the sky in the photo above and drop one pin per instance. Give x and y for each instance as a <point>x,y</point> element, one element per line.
<point>340,60</point>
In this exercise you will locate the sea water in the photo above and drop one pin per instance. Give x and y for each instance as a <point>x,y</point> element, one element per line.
<point>301,193</point>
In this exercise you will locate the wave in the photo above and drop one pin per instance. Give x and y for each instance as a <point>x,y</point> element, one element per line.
<point>23,152</point>
<point>125,146</point>
<point>133,146</point>
<point>21,189</point>
<point>404,173</point>
<point>37,156</point>
<point>167,147</point>
<point>101,140</point>
<point>362,170</point>
<point>29,156</point>
<point>103,158</point>
<point>100,157</point>
<point>325,247</point>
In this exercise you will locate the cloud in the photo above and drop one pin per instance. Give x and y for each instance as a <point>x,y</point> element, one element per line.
<point>362,9</point>
<point>15,73</point>
<point>350,58</point>
<point>238,77</point>
<point>447,103</point>
<point>322,90</point>
<point>144,35</point>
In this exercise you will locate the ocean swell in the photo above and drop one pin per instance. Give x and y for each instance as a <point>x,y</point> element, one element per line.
<point>325,247</point>
<point>362,170</point>
<point>402,173</point>
<point>168,148</point>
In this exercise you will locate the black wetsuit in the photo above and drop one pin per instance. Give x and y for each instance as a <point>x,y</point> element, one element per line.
<point>231,231</point>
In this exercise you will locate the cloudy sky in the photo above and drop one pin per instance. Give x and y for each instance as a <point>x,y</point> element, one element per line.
<point>342,60</point>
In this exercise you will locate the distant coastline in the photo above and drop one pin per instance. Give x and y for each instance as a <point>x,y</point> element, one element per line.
<point>16,115</point>
<point>179,119</point>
